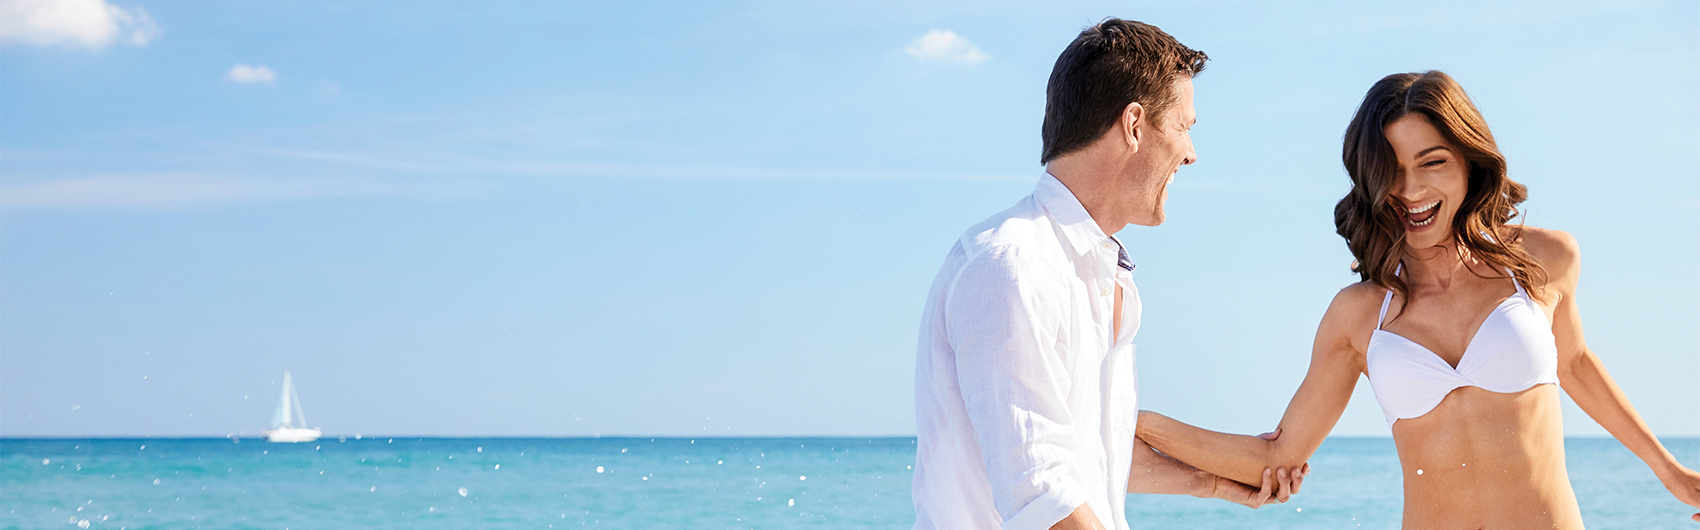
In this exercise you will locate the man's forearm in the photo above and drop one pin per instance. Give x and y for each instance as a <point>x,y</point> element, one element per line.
<point>1153,472</point>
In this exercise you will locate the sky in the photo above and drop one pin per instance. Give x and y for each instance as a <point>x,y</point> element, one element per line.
<point>721,219</point>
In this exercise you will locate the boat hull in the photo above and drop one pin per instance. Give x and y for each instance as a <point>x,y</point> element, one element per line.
<point>292,435</point>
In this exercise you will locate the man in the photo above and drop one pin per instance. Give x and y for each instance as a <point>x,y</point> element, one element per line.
<point>1024,382</point>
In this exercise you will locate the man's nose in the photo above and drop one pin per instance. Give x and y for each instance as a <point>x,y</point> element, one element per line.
<point>1191,155</point>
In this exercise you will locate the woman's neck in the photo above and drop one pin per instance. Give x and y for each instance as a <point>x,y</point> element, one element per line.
<point>1437,266</point>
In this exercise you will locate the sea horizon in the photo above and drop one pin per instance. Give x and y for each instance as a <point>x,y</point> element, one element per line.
<point>660,482</point>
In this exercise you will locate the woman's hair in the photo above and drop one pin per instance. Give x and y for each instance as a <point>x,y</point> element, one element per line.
<point>1370,220</point>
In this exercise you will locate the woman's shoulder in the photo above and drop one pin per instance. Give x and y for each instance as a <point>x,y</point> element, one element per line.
<point>1356,305</point>
<point>1555,250</point>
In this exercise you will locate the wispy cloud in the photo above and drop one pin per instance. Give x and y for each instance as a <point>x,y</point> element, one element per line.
<point>92,24</point>
<point>476,167</point>
<point>177,189</point>
<point>945,45</point>
<point>423,177</point>
<point>243,73</point>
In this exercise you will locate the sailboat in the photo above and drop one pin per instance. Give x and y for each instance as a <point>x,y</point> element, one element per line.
<point>289,424</point>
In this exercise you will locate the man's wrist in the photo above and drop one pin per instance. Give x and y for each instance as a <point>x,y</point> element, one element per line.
<point>1206,485</point>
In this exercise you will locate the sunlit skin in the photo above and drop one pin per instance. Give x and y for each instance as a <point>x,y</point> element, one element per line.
<point>1479,459</point>
<point>1122,179</point>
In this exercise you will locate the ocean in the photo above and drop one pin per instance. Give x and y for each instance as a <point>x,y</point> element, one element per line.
<point>657,483</point>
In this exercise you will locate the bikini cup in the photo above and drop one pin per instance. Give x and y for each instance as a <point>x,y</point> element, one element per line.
<point>1512,351</point>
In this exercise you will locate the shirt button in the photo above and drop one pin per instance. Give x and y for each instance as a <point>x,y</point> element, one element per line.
<point>1104,292</point>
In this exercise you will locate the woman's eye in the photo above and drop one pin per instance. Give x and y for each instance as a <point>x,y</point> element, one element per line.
<point>1433,163</point>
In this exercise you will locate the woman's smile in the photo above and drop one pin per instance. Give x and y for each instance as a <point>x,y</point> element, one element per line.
<point>1419,218</point>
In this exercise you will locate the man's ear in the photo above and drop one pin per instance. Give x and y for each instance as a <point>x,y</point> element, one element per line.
<point>1130,124</point>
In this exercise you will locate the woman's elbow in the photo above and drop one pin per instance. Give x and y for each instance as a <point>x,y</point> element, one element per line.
<point>1285,455</point>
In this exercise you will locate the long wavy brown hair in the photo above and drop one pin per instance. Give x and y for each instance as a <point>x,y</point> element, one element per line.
<point>1369,217</point>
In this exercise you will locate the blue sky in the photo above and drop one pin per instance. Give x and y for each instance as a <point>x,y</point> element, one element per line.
<point>700,218</point>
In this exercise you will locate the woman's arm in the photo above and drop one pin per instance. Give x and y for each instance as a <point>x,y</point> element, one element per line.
<point>1584,377</point>
<point>1336,361</point>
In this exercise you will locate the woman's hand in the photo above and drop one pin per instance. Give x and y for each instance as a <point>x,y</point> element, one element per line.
<point>1684,483</point>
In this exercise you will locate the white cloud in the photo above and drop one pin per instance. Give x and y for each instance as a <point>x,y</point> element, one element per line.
<point>242,73</point>
<point>92,24</point>
<point>945,45</point>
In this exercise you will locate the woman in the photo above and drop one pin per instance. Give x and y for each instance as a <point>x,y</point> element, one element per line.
<point>1466,327</point>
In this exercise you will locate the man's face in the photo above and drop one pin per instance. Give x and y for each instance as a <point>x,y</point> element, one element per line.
<point>1165,144</point>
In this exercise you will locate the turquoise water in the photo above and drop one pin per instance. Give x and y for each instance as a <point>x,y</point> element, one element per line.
<point>655,483</point>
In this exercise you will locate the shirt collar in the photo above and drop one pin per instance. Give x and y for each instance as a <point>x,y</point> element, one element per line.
<point>1078,228</point>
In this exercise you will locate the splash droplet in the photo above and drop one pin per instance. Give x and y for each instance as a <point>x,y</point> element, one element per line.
<point>802,477</point>
<point>1419,471</point>
<point>45,461</point>
<point>374,488</point>
<point>480,448</point>
<point>498,466</point>
<point>598,469</point>
<point>792,502</point>
<point>156,482</point>
<point>463,492</point>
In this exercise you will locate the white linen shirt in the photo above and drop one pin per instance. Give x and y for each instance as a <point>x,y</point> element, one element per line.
<point>1024,406</point>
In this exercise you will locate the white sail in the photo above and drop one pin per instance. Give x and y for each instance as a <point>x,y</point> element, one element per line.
<point>289,423</point>
<point>294,399</point>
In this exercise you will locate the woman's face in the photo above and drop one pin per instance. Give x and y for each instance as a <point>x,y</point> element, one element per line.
<point>1432,180</point>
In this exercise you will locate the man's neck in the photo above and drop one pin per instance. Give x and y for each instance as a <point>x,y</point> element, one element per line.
<point>1088,178</point>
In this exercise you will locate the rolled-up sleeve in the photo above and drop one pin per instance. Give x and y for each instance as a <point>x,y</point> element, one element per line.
<point>1003,321</point>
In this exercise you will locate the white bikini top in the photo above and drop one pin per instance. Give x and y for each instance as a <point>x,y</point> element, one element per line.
<point>1512,350</point>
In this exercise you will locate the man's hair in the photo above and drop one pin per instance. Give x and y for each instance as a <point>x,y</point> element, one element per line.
<point>1108,66</point>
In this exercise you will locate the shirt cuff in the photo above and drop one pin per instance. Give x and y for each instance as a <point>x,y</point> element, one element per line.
<point>1045,511</point>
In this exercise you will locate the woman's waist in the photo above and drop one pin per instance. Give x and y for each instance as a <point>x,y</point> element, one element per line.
<point>1477,427</point>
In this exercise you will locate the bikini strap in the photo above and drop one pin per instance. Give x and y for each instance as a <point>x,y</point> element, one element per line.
<point>1384,302</point>
<point>1514,281</point>
<point>1388,299</point>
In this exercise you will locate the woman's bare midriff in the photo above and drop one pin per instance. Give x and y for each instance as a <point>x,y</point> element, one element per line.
<point>1485,460</point>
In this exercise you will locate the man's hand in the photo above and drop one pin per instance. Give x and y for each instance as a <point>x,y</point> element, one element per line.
<point>1278,485</point>
<point>1287,483</point>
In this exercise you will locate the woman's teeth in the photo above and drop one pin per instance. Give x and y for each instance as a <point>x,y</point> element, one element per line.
<point>1423,215</point>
